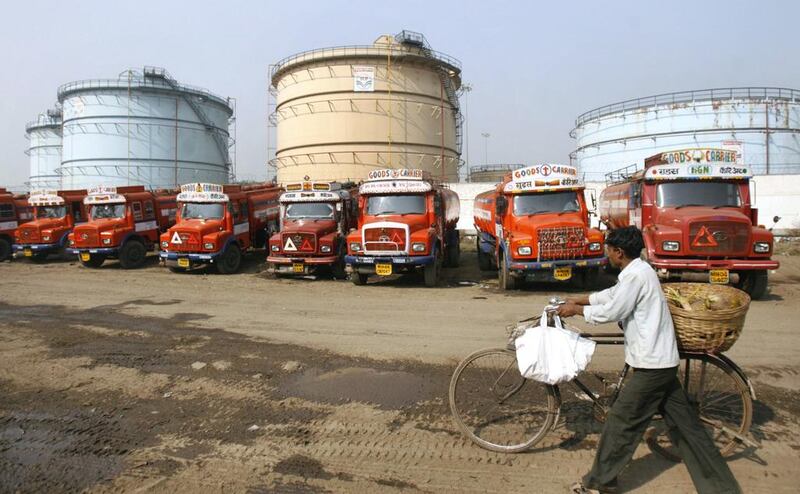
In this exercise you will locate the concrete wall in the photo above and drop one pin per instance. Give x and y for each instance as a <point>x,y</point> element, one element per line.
<point>775,195</point>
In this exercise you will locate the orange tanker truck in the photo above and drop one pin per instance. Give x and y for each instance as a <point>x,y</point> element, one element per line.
<point>124,223</point>
<point>55,215</point>
<point>14,211</point>
<point>534,225</point>
<point>695,211</point>
<point>315,218</point>
<point>217,223</point>
<point>406,222</point>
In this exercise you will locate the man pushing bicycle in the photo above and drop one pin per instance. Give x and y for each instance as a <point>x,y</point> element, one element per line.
<point>651,350</point>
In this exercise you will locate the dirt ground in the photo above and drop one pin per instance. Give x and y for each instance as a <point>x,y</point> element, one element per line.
<point>146,380</point>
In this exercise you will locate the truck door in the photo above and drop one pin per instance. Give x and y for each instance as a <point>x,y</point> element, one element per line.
<point>635,205</point>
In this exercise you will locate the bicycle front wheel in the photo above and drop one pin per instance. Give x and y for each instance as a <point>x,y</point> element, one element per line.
<point>721,398</point>
<point>495,407</point>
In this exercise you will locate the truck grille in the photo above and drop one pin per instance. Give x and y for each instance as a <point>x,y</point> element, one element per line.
<point>86,239</point>
<point>302,242</point>
<point>719,238</point>
<point>29,235</point>
<point>190,242</point>
<point>384,239</point>
<point>561,242</point>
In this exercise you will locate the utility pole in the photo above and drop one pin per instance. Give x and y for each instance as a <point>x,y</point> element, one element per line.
<point>486,136</point>
<point>466,88</point>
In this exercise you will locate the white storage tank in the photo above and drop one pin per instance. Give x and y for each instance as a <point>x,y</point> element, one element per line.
<point>44,150</point>
<point>143,128</point>
<point>762,123</point>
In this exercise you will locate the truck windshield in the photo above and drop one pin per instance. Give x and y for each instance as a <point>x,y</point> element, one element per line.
<point>200,211</point>
<point>405,204</point>
<point>51,212</point>
<point>107,211</point>
<point>309,210</point>
<point>548,202</point>
<point>714,194</point>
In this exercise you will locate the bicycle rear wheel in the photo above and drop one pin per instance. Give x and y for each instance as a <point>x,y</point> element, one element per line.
<point>721,398</point>
<point>495,407</point>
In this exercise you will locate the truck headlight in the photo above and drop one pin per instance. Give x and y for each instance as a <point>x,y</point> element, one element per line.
<point>325,248</point>
<point>671,246</point>
<point>46,238</point>
<point>595,246</point>
<point>761,247</point>
<point>208,246</point>
<point>106,241</point>
<point>524,251</point>
<point>355,246</point>
<point>274,248</point>
<point>71,243</point>
<point>418,247</point>
<point>164,244</point>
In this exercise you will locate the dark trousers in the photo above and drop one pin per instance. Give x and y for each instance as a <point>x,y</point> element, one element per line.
<point>647,392</point>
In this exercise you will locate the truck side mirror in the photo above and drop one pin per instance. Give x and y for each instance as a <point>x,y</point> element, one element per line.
<point>776,219</point>
<point>500,206</point>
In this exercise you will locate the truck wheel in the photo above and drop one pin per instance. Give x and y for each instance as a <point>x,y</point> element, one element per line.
<point>230,260</point>
<point>359,278</point>
<point>5,250</point>
<point>754,283</point>
<point>432,270</point>
<point>484,259</point>
<point>337,270</point>
<point>132,255</point>
<point>94,262</point>
<point>176,269</point>
<point>507,282</point>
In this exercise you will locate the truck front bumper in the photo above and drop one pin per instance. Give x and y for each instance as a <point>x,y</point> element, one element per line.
<point>366,264</point>
<point>102,251</point>
<point>30,249</point>
<point>298,265</point>
<point>709,264</point>
<point>546,270</point>
<point>187,259</point>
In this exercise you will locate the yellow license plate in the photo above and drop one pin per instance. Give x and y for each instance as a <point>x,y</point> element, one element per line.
<point>383,269</point>
<point>298,267</point>
<point>28,252</point>
<point>719,276</point>
<point>85,256</point>
<point>184,263</point>
<point>562,273</point>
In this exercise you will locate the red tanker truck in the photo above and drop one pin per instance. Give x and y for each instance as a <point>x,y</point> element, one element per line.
<point>55,215</point>
<point>406,222</point>
<point>217,223</point>
<point>695,211</point>
<point>14,211</point>
<point>534,225</point>
<point>315,219</point>
<point>124,223</point>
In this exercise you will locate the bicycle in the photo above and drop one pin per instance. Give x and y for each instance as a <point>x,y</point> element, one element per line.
<point>499,410</point>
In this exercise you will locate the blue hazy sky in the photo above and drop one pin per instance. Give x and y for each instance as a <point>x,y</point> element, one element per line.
<point>534,66</point>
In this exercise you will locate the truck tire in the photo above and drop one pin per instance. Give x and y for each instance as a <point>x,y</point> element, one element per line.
<point>431,271</point>
<point>230,260</point>
<point>359,278</point>
<point>484,259</point>
<point>754,283</point>
<point>507,282</point>
<point>94,262</point>
<point>337,270</point>
<point>5,249</point>
<point>132,255</point>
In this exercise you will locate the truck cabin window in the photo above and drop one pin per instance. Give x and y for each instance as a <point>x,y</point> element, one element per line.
<point>51,212</point>
<point>400,204</point>
<point>309,210</point>
<point>549,202</point>
<point>108,211</point>
<point>712,194</point>
<point>199,211</point>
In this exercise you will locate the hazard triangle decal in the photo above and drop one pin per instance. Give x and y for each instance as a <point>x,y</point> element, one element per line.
<point>290,246</point>
<point>176,239</point>
<point>704,238</point>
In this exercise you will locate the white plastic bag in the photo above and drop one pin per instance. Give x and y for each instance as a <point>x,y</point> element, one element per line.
<point>552,354</point>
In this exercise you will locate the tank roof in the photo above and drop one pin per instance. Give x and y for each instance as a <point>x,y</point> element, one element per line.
<point>755,93</point>
<point>149,79</point>
<point>406,44</point>
<point>50,118</point>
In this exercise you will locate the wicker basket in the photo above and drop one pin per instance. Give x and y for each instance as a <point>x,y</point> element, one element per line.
<point>711,331</point>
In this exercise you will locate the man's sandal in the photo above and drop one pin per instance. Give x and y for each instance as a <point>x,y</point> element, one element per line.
<point>579,488</point>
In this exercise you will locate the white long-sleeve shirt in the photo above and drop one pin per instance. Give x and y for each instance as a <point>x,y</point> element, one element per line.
<point>638,302</point>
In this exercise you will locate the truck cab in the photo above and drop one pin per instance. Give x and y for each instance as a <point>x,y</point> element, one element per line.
<point>534,226</point>
<point>315,218</point>
<point>55,214</point>
<point>217,223</point>
<point>14,211</point>
<point>406,222</point>
<point>695,210</point>
<point>124,223</point>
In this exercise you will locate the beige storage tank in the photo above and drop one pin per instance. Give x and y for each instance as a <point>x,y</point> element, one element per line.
<point>341,112</point>
<point>491,173</point>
